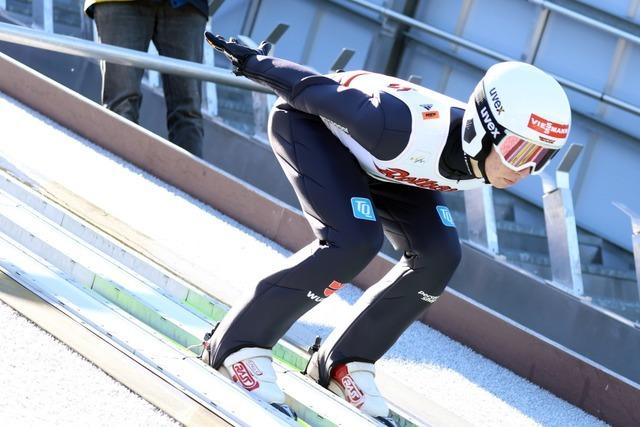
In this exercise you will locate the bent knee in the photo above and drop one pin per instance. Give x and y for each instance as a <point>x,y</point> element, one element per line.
<point>365,246</point>
<point>454,255</point>
<point>442,259</point>
<point>358,250</point>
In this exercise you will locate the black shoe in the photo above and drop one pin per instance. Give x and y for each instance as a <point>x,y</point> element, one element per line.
<point>285,409</point>
<point>386,421</point>
<point>205,356</point>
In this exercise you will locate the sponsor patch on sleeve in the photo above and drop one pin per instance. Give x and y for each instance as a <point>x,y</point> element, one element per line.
<point>428,115</point>
<point>445,216</point>
<point>362,208</point>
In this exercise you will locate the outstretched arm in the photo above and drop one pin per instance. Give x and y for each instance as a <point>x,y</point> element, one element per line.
<point>379,122</point>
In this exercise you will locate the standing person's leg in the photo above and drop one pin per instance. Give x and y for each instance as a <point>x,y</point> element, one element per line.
<point>179,34</point>
<point>334,195</point>
<point>130,25</point>
<point>416,222</point>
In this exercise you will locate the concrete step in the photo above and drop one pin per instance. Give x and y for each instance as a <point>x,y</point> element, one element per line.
<point>455,202</point>
<point>543,260</point>
<point>608,271</point>
<point>527,238</point>
<point>530,236</point>
<point>599,282</point>
<point>628,310</point>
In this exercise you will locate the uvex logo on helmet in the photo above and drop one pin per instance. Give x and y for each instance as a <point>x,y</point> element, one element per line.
<point>491,127</point>
<point>496,101</point>
<point>548,127</point>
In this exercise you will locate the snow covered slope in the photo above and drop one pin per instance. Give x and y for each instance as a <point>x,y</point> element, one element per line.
<point>447,375</point>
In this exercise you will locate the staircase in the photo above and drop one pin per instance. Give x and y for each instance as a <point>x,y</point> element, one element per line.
<point>607,270</point>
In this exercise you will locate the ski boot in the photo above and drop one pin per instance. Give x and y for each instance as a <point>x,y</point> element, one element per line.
<point>354,382</point>
<point>252,369</point>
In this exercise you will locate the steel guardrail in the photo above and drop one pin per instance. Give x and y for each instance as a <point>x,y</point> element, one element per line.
<point>119,55</point>
<point>601,96</point>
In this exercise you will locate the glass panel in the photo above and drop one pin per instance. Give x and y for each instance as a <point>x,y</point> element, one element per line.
<point>67,17</point>
<point>19,7</point>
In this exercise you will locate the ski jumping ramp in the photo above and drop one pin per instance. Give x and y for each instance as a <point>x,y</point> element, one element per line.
<point>141,267</point>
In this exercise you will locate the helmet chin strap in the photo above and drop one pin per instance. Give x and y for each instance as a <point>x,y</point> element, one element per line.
<point>482,169</point>
<point>479,162</point>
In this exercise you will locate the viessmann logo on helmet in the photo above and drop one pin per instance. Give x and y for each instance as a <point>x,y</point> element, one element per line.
<point>548,127</point>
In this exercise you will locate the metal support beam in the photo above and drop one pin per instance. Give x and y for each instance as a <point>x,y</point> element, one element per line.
<point>481,218</point>
<point>560,221</point>
<point>600,96</point>
<point>635,237</point>
<point>536,37</point>
<point>276,34</point>
<point>214,5</point>
<point>415,79</point>
<point>342,60</point>
<point>209,89</point>
<point>388,42</point>
<point>152,77</point>
<point>587,20</point>
<point>42,13</point>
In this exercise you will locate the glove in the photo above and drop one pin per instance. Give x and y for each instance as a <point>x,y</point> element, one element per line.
<point>237,52</point>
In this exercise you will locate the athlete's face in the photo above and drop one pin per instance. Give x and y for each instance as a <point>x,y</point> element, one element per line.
<point>500,176</point>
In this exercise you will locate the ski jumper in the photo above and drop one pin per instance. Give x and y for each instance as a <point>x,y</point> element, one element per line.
<point>368,155</point>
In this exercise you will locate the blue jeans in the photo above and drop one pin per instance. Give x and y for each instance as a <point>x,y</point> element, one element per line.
<point>177,33</point>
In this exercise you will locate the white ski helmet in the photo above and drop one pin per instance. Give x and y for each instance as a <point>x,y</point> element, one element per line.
<point>522,111</point>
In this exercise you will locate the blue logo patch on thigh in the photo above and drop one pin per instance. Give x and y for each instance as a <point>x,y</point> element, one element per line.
<point>362,208</point>
<point>445,216</point>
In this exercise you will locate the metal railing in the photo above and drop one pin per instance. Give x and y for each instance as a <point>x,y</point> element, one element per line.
<point>389,13</point>
<point>88,49</point>
<point>42,13</point>
<point>481,218</point>
<point>601,96</point>
<point>560,224</point>
<point>586,20</point>
<point>634,216</point>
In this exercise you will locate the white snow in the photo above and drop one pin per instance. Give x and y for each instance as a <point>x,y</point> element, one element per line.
<point>45,383</point>
<point>444,371</point>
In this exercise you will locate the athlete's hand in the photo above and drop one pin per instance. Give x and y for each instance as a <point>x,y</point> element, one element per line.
<point>237,52</point>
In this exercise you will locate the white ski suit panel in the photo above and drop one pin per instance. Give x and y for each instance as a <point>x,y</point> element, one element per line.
<point>418,163</point>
